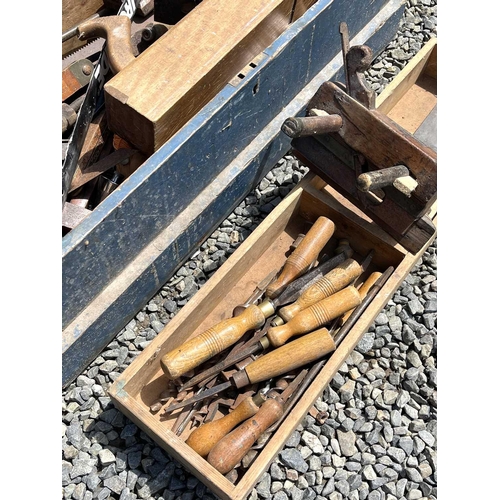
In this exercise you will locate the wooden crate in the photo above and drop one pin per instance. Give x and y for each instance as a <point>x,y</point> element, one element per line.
<point>264,250</point>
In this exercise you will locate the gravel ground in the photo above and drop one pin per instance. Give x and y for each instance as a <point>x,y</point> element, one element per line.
<point>380,438</point>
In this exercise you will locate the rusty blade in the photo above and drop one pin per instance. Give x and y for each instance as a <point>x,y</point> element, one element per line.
<point>80,178</point>
<point>199,397</point>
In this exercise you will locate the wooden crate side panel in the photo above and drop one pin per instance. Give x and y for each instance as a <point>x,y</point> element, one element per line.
<point>407,77</point>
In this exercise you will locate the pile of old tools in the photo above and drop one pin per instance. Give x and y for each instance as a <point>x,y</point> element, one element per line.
<point>316,297</point>
<point>96,160</point>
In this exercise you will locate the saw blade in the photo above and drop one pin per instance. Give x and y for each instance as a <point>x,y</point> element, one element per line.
<point>88,51</point>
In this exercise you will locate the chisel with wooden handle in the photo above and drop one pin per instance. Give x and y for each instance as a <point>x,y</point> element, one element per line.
<point>304,255</point>
<point>229,451</point>
<point>330,283</point>
<point>294,354</point>
<point>315,316</point>
<point>214,340</point>
<point>205,437</point>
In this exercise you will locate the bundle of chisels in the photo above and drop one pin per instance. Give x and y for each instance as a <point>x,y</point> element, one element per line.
<point>259,362</point>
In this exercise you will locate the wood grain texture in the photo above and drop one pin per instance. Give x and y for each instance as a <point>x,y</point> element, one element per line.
<point>329,284</point>
<point>211,342</point>
<point>205,437</point>
<point>292,355</point>
<point>226,454</point>
<point>73,13</point>
<point>315,316</point>
<point>304,255</point>
<point>172,80</point>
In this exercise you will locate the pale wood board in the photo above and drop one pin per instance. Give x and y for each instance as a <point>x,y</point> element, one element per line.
<point>155,95</point>
<point>407,77</point>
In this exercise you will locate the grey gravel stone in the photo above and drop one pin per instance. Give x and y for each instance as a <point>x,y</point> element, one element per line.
<point>292,458</point>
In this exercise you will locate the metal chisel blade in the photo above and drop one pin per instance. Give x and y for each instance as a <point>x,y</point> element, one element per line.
<point>205,394</point>
<point>296,288</point>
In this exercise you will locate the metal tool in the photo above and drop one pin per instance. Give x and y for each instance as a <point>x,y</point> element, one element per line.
<point>260,342</point>
<point>205,437</point>
<point>303,256</point>
<point>89,106</point>
<point>229,450</point>
<point>217,338</point>
<point>296,353</point>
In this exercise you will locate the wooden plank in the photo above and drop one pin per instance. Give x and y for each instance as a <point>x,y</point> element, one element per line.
<point>147,109</point>
<point>406,78</point>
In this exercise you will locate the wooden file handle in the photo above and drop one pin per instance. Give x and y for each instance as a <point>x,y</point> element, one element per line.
<point>286,358</point>
<point>304,255</point>
<point>363,290</point>
<point>329,284</point>
<point>315,316</point>
<point>203,439</point>
<point>228,452</point>
<point>214,340</point>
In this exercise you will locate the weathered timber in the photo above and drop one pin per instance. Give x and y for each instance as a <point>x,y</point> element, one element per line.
<point>173,79</point>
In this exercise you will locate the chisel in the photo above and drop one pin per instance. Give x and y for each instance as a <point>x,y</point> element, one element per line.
<point>304,255</point>
<point>330,283</point>
<point>217,338</point>
<point>293,354</point>
<point>229,450</point>
<point>205,437</point>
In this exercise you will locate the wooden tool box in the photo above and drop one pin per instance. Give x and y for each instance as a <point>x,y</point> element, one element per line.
<point>265,249</point>
<point>115,260</point>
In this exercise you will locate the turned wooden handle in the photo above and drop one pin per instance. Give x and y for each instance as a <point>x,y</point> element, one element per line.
<point>376,179</point>
<point>286,358</point>
<point>203,439</point>
<point>214,340</point>
<point>329,284</point>
<point>315,316</point>
<point>304,255</point>
<point>363,290</point>
<point>228,452</point>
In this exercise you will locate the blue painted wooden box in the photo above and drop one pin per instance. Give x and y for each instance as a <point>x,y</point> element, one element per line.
<point>136,239</point>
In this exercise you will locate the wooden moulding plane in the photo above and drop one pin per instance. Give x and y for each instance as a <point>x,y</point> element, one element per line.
<point>265,250</point>
<point>195,58</point>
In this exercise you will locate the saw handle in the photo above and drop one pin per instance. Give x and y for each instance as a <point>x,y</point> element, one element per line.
<point>229,451</point>
<point>211,342</point>
<point>315,316</point>
<point>303,256</point>
<point>286,358</point>
<point>205,437</point>
<point>330,283</point>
